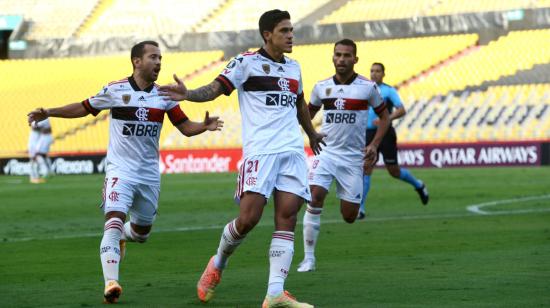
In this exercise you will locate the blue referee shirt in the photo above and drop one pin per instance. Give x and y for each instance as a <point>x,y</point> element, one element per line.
<point>390,97</point>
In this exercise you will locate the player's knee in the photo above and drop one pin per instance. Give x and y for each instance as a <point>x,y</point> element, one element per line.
<point>245,224</point>
<point>349,218</point>
<point>140,238</point>
<point>395,172</point>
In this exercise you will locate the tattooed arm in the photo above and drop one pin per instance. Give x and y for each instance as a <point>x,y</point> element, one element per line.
<point>205,93</point>
<point>178,91</point>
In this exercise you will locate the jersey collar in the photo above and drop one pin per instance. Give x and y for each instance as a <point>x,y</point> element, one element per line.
<point>134,85</point>
<point>266,55</point>
<point>348,82</point>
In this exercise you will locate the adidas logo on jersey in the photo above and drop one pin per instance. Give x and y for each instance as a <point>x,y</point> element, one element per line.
<point>280,69</point>
<point>141,99</point>
<point>341,90</point>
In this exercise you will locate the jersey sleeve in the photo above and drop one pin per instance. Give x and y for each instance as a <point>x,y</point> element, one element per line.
<point>300,88</point>
<point>395,99</point>
<point>315,100</point>
<point>101,101</point>
<point>232,75</point>
<point>175,114</point>
<point>375,99</point>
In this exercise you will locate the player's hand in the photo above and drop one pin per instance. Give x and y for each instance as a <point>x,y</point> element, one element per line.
<point>175,91</point>
<point>37,115</point>
<point>212,123</point>
<point>371,155</point>
<point>315,141</point>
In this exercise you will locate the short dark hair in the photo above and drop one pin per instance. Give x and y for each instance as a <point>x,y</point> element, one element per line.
<point>270,19</point>
<point>139,49</point>
<point>347,42</point>
<point>381,66</point>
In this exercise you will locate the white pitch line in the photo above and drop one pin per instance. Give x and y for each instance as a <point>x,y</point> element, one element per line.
<point>477,208</point>
<point>328,221</point>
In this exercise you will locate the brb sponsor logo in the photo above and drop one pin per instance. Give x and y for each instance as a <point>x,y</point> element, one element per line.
<point>140,130</point>
<point>345,118</point>
<point>280,99</point>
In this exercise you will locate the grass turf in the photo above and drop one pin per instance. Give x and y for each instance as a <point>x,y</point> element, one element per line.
<point>403,255</point>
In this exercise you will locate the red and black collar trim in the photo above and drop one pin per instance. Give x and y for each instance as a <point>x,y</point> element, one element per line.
<point>134,85</point>
<point>348,82</point>
<point>265,54</point>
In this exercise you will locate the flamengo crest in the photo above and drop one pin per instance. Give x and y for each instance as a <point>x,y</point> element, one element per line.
<point>284,84</point>
<point>142,114</point>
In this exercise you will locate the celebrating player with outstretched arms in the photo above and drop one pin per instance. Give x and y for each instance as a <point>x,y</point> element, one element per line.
<point>132,180</point>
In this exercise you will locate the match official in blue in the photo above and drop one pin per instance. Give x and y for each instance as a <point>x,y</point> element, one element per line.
<point>388,147</point>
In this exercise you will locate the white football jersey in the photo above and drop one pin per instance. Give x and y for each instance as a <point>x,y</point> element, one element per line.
<point>345,114</point>
<point>268,91</point>
<point>134,128</point>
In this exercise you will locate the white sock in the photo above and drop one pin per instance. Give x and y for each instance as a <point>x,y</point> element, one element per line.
<point>280,258</point>
<point>110,248</point>
<point>312,225</point>
<point>42,166</point>
<point>231,239</point>
<point>34,169</point>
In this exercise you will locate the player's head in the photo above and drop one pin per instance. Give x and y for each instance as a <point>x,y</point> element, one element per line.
<point>146,58</point>
<point>276,30</point>
<point>344,56</point>
<point>377,72</point>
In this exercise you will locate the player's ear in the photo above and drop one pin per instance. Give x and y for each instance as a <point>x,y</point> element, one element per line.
<point>356,60</point>
<point>266,35</point>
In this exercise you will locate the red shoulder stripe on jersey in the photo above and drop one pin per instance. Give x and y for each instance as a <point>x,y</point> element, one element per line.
<point>89,108</point>
<point>248,53</point>
<point>176,115</point>
<point>227,85</point>
<point>118,81</point>
<point>156,115</point>
<point>380,108</point>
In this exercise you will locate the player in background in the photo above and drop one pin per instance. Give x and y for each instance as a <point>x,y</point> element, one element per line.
<point>40,141</point>
<point>346,98</point>
<point>272,108</point>
<point>388,147</point>
<point>132,180</point>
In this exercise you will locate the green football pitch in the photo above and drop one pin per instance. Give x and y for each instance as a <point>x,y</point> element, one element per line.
<point>402,255</point>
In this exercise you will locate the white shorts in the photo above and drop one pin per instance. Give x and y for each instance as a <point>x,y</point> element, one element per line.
<point>141,200</point>
<point>349,178</point>
<point>39,143</point>
<point>285,171</point>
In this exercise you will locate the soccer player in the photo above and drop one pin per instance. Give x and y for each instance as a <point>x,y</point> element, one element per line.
<point>40,141</point>
<point>346,98</point>
<point>272,108</point>
<point>132,180</point>
<point>388,147</point>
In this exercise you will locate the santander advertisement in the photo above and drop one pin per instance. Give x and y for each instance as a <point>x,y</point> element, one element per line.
<point>429,155</point>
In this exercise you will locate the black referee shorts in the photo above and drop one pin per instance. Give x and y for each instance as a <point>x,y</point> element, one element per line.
<point>388,146</point>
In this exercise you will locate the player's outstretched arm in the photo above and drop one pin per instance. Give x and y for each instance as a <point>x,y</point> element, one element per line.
<point>190,128</point>
<point>178,91</point>
<point>371,151</point>
<point>75,110</point>
<point>315,138</point>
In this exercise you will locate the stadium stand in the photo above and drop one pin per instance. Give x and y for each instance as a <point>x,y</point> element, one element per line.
<point>52,82</point>
<point>129,17</point>
<point>49,19</point>
<point>500,113</point>
<point>516,51</point>
<point>398,9</point>
<point>243,14</point>
<point>454,89</point>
